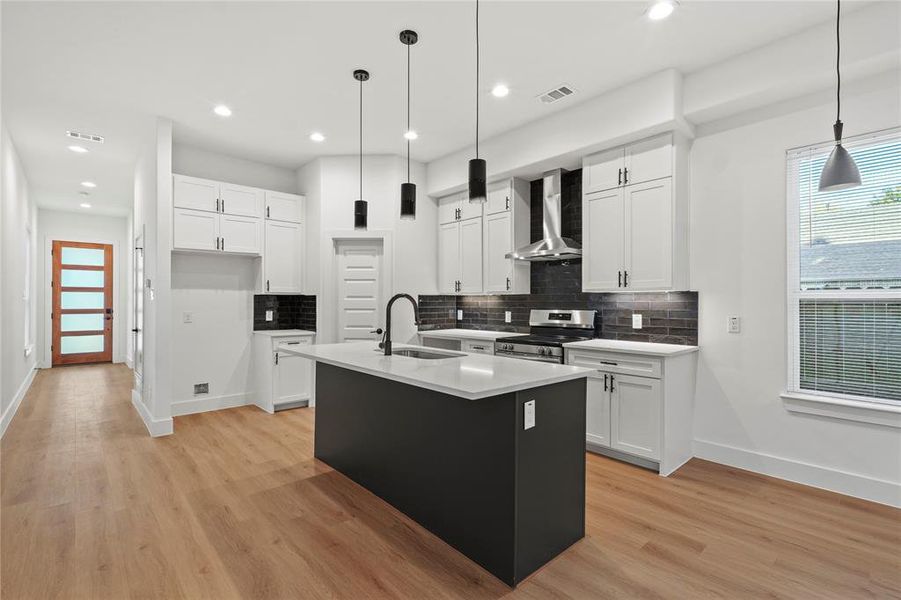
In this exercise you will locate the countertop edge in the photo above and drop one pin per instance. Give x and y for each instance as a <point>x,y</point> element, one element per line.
<point>645,352</point>
<point>284,332</point>
<point>477,334</point>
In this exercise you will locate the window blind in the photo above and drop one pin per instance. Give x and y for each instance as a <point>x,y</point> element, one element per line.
<point>845,272</point>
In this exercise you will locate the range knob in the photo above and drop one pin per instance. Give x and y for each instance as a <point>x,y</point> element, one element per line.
<point>542,350</point>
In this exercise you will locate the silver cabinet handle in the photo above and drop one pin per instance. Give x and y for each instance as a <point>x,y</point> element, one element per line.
<point>611,383</point>
<point>625,279</point>
<point>507,203</point>
<point>508,284</point>
<point>223,243</point>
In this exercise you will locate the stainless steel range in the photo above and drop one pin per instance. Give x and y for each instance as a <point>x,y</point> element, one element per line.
<point>548,331</point>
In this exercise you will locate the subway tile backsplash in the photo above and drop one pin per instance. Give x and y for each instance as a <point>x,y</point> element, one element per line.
<point>288,312</point>
<point>668,317</point>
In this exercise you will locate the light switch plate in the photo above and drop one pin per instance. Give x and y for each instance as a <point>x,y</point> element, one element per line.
<point>733,324</point>
<point>460,315</point>
<point>508,316</point>
<point>268,315</point>
<point>529,415</point>
<point>636,321</point>
<point>187,317</point>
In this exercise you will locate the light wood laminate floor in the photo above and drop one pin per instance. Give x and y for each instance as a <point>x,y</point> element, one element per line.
<point>234,506</point>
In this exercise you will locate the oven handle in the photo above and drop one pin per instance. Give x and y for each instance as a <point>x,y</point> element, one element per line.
<point>529,357</point>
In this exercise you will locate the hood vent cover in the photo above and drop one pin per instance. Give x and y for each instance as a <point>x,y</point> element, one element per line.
<point>558,93</point>
<point>552,247</point>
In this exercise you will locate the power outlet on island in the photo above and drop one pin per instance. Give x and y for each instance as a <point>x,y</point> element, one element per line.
<point>529,415</point>
<point>636,321</point>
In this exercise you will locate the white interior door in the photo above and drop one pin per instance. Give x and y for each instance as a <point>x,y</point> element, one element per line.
<point>138,300</point>
<point>360,301</point>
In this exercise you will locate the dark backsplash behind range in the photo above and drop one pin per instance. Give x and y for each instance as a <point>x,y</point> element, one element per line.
<point>288,312</point>
<point>668,317</point>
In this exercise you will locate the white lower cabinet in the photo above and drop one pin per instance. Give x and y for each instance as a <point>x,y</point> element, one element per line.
<point>282,380</point>
<point>646,418</point>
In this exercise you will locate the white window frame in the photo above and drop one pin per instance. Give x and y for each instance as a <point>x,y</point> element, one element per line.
<point>828,404</point>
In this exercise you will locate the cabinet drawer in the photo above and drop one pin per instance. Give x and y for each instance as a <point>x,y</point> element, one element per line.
<point>477,347</point>
<point>299,340</point>
<point>627,364</point>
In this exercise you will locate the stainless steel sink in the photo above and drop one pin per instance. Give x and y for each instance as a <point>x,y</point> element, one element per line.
<point>424,354</point>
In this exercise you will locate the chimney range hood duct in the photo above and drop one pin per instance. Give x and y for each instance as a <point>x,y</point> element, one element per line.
<point>552,246</point>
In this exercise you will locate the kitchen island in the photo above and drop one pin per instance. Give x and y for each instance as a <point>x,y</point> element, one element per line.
<point>487,453</point>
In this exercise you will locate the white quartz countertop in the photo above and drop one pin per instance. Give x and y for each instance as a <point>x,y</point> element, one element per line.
<point>470,376</point>
<point>284,332</point>
<point>647,348</point>
<point>467,334</point>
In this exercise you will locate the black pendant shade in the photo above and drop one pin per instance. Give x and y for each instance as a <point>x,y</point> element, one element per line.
<point>477,174</point>
<point>408,190</point>
<point>408,201</point>
<point>361,209</point>
<point>361,214</point>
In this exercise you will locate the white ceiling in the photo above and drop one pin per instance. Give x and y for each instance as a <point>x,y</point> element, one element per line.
<point>285,70</point>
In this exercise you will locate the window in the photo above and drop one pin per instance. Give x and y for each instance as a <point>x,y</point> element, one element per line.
<point>844,274</point>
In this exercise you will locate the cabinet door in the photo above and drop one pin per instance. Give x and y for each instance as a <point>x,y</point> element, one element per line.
<point>240,235</point>
<point>602,171</point>
<point>602,236</point>
<point>194,230</point>
<point>500,198</point>
<point>447,209</point>
<point>240,201</point>
<point>292,377</point>
<point>471,256</point>
<point>649,235</point>
<point>597,413</point>
<point>448,258</point>
<point>470,210</point>
<point>194,193</point>
<point>284,207</point>
<point>649,160</point>
<point>498,239</point>
<point>283,257</point>
<point>635,406</point>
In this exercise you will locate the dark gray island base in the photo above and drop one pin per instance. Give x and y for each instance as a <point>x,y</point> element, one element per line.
<point>509,498</point>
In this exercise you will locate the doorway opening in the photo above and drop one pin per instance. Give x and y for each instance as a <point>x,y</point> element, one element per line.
<point>82,313</point>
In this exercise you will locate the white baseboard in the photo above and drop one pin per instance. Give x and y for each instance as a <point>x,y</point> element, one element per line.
<point>17,400</point>
<point>850,484</point>
<point>208,403</point>
<point>155,427</point>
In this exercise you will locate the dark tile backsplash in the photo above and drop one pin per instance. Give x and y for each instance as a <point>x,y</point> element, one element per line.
<point>289,312</point>
<point>668,317</point>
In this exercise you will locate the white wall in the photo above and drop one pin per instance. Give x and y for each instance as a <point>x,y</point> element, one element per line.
<point>187,160</point>
<point>738,267</point>
<point>83,227</point>
<point>17,212</point>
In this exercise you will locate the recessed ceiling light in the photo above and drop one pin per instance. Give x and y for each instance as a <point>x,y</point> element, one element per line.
<point>223,111</point>
<point>88,184</point>
<point>661,10</point>
<point>85,205</point>
<point>78,149</point>
<point>317,137</point>
<point>411,135</point>
<point>500,90</point>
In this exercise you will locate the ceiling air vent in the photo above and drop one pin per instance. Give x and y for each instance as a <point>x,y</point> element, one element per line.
<point>87,137</point>
<point>555,94</point>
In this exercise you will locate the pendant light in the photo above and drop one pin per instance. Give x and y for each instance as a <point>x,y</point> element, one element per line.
<point>408,190</point>
<point>361,210</point>
<point>477,166</point>
<point>840,171</point>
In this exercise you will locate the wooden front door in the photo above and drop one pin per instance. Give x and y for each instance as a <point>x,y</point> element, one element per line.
<point>82,303</point>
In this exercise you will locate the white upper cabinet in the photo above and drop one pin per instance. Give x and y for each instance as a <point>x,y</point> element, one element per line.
<point>635,233</point>
<point>498,240</point>
<point>284,207</point>
<point>457,207</point>
<point>195,193</point>
<point>603,171</point>
<point>195,229</point>
<point>240,235</point>
<point>240,200</point>
<point>500,197</point>
<point>448,258</point>
<point>469,210</point>
<point>283,257</point>
<point>471,256</point>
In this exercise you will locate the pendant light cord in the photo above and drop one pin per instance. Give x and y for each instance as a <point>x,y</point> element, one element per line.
<point>408,112</point>
<point>838,54</point>
<point>478,69</point>
<point>361,139</point>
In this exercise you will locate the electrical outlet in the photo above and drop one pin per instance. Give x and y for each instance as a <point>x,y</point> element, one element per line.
<point>268,315</point>
<point>529,415</point>
<point>636,321</point>
<point>508,316</point>
<point>187,317</point>
<point>201,388</point>
<point>733,324</point>
<point>460,314</point>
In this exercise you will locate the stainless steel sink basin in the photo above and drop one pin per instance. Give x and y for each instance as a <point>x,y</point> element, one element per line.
<point>424,354</point>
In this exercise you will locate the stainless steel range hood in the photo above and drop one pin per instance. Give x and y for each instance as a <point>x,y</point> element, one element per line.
<point>553,246</point>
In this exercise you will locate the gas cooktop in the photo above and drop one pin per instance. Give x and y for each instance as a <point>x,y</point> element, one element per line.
<point>549,330</point>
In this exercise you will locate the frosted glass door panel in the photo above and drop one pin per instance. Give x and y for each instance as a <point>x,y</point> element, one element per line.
<point>81,322</point>
<point>83,256</point>
<point>79,278</point>
<point>82,300</point>
<point>79,344</point>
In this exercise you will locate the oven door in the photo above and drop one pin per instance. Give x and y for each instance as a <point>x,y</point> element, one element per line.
<point>532,357</point>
